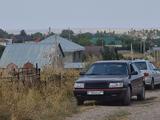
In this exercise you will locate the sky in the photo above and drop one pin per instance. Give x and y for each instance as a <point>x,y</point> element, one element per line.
<point>40,14</point>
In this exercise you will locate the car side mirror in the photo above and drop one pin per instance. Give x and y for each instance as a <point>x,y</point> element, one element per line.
<point>82,73</point>
<point>134,73</point>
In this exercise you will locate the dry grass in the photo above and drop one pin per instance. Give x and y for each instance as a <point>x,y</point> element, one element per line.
<point>44,102</point>
<point>128,55</point>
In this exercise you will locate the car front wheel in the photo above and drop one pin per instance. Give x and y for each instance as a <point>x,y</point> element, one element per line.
<point>127,98</point>
<point>141,95</point>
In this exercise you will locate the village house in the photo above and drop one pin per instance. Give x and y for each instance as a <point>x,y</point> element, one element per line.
<point>43,53</point>
<point>5,42</point>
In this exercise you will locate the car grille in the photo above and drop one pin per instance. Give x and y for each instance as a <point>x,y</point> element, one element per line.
<point>96,85</point>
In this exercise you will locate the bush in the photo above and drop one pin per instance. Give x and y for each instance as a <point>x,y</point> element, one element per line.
<point>110,53</point>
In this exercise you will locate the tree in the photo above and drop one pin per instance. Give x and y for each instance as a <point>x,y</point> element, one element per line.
<point>23,33</point>
<point>3,34</point>
<point>110,53</point>
<point>69,34</point>
<point>100,42</point>
<point>37,36</point>
<point>83,39</point>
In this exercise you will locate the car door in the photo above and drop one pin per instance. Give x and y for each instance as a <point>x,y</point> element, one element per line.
<point>157,72</point>
<point>158,75</point>
<point>154,73</point>
<point>136,81</point>
<point>139,79</point>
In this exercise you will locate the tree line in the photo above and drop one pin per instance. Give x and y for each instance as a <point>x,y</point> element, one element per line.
<point>101,37</point>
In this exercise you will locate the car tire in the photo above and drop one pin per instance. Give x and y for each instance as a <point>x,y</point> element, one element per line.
<point>127,98</point>
<point>141,96</point>
<point>80,102</point>
<point>152,85</point>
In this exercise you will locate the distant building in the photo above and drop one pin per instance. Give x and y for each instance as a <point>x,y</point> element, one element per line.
<point>93,50</point>
<point>108,41</point>
<point>5,42</point>
<point>72,51</point>
<point>43,53</point>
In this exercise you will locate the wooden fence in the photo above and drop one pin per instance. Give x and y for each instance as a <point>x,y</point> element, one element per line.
<point>29,76</point>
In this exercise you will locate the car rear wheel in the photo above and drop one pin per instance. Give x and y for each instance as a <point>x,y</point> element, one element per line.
<point>80,102</point>
<point>141,96</point>
<point>127,98</point>
<point>152,85</point>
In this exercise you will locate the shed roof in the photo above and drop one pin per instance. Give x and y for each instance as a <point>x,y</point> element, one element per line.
<point>78,65</point>
<point>156,48</point>
<point>67,46</point>
<point>21,53</point>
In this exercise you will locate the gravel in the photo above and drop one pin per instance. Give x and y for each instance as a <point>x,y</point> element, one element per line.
<point>138,110</point>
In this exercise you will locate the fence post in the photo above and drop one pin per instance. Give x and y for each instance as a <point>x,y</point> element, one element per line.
<point>60,79</point>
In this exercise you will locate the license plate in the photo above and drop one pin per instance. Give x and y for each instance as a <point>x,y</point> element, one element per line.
<point>95,92</point>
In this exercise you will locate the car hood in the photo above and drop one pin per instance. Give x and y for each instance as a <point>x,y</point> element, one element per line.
<point>101,78</point>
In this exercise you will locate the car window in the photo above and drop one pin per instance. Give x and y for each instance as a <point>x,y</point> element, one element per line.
<point>150,66</point>
<point>141,65</point>
<point>153,66</point>
<point>108,69</point>
<point>132,69</point>
<point>135,68</point>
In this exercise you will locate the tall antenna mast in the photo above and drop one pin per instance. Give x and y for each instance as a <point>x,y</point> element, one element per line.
<point>49,32</point>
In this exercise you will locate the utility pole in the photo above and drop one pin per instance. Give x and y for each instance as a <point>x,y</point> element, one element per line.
<point>132,51</point>
<point>69,34</point>
<point>49,32</point>
<point>144,44</point>
<point>102,43</point>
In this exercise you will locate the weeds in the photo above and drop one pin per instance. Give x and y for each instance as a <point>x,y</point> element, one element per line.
<point>47,101</point>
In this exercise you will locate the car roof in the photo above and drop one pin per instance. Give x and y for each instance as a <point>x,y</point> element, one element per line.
<point>114,61</point>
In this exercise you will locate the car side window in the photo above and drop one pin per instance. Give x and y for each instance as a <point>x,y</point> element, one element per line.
<point>150,66</point>
<point>153,66</point>
<point>135,68</point>
<point>132,68</point>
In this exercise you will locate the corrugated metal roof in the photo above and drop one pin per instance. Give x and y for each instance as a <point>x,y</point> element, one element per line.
<point>156,48</point>
<point>22,53</point>
<point>74,65</point>
<point>66,45</point>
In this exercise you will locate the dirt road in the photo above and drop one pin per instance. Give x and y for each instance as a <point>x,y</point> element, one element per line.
<point>138,110</point>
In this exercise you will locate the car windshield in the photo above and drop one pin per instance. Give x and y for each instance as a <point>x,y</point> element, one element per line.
<point>108,69</point>
<point>141,65</point>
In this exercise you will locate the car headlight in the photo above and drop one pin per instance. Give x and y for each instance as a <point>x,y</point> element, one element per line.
<point>79,85</point>
<point>116,85</point>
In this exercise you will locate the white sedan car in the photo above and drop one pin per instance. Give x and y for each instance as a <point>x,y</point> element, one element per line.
<point>151,73</point>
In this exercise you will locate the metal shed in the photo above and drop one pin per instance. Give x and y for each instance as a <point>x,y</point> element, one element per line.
<point>67,46</point>
<point>21,53</point>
